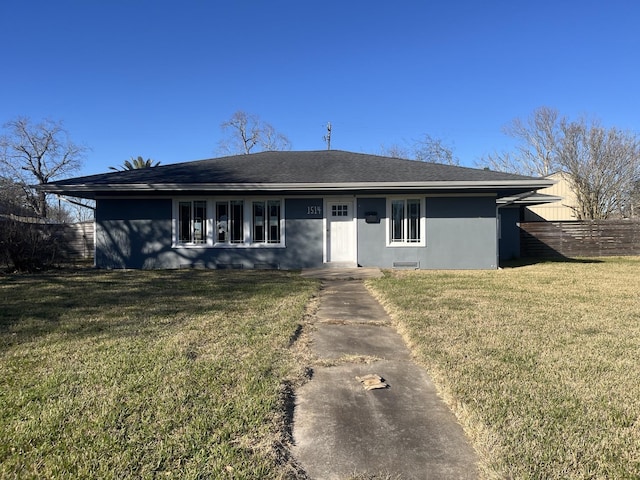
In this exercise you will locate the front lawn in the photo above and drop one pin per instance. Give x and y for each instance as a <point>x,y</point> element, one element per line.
<point>184,374</point>
<point>178,374</point>
<point>541,363</point>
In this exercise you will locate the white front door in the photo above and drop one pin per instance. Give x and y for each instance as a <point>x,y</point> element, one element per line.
<point>341,238</point>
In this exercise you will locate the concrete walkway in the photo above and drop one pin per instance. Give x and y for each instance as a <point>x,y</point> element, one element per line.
<point>341,430</point>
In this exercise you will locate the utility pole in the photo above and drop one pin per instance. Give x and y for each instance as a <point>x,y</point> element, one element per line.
<point>327,137</point>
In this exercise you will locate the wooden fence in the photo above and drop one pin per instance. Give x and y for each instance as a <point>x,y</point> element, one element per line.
<point>27,243</point>
<point>580,238</point>
<point>77,239</point>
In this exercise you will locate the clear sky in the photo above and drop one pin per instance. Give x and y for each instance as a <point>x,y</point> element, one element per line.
<point>156,78</point>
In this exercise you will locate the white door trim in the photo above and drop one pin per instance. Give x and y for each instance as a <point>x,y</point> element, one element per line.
<point>352,253</point>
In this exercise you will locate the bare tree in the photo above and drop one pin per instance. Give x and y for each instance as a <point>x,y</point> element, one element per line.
<point>135,164</point>
<point>434,150</point>
<point>426,149</point>
<point>245,133</point>
<point>603,167</point>
<point>272,140</point>
<point>536,151</point>
<point>395,150</point>
<point>634,200</point>
<point>36,154</point>
<point>12,199</point>
<point>503,162</point>
<point>601,164</point>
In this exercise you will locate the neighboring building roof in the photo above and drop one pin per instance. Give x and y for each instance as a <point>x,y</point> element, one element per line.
<point>562,210</point>
<point>532,198</point>
<point>318,171</point>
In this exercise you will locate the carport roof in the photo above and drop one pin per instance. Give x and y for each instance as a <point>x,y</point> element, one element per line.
<point>297,171</point>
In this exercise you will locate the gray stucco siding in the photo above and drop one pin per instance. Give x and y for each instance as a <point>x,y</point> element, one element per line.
<point>303,233</point>
<point>132,233</point>
<point>460,234</point>
<point>372,250</point>
<point>138,234</point>
<point>509,233</point>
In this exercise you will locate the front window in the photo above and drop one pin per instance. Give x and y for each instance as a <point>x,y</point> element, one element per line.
<point>230,221</point>
<point>192,225</point>
<point>237,222</point>
<point>406,221</point>
<point>266,221</point>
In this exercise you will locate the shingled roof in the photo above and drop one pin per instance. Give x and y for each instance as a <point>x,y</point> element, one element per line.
<point>296,171</point>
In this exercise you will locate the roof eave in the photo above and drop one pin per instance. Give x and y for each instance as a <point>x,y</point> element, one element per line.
<point>296,187</point>
<point>528,199</point>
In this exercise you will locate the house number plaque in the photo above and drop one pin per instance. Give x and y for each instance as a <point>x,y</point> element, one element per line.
<point>314,210</point>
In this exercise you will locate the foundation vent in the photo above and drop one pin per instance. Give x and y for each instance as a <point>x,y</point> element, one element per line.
<point>407,265</point>
<point>198,265</point>
<point>266,266</point>
<point>229,266</point>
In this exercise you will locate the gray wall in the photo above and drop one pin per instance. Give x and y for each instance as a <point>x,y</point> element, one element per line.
<point>137,234</point>
<point>460,234</point>
<point>132,233</point>
<point>509,233</point>
<point>303,232</point>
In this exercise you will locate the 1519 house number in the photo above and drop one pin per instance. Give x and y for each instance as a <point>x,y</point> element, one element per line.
<point>314,210</point>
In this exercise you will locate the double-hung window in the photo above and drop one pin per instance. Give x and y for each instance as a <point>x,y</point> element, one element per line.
<point>406,225</point>
<point>230,221</point>
<point>266,221</point>
<point>192,221</point>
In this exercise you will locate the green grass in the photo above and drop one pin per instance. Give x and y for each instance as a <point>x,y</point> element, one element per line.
<point>184,374</point>
<point>178,374</point>
<point>541,363</point>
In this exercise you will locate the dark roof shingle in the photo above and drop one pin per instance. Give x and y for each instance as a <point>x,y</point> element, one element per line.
<point>323,166</point>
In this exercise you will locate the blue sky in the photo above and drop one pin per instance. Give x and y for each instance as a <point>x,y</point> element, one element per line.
<point>156,78</point>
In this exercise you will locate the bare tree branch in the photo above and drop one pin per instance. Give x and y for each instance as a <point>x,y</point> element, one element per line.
<point>602,165</point>
<point>395,151</point>
<point>37,153</point>
<point>272,140</point>
<point>434,150</point>
<point>246,132</point>
<point>426,149</point>
<point>536,151</point>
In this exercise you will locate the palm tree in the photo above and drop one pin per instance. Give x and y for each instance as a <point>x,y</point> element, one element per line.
<point>135,163</point>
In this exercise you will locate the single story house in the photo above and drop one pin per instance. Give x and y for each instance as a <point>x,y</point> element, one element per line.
<point>305,209</point>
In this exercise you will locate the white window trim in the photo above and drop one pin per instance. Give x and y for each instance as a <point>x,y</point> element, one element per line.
<point>423,223</point>
<point>211,237</point>
<point>175,223</point>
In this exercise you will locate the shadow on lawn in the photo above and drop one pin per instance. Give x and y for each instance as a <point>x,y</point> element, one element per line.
<point>124,303</point>
<point>523,262</point>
